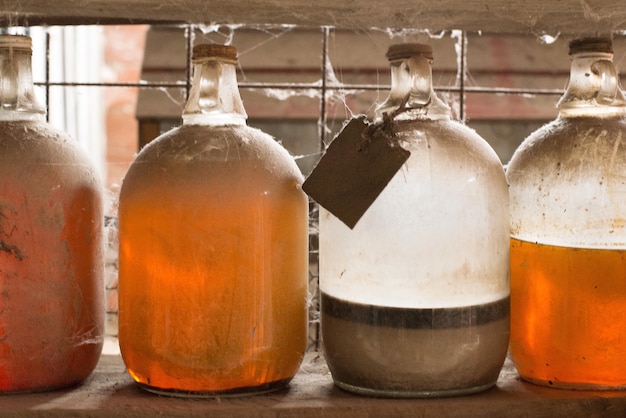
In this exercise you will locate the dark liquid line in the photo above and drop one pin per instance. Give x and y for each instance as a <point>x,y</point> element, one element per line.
<point>430,318</point>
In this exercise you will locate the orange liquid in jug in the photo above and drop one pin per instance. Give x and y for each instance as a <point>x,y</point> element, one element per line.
<point>568,315</point>
<point>51,304</point>
<point>51,262</point>
<point>212,283</point>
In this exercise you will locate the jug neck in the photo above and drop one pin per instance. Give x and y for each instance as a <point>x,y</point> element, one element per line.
<point>593,87</point>
<point>214,98</point>
<point>412,96</point>
<point>17,94</point>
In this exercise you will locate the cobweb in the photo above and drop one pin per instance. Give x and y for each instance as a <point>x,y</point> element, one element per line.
<point>300,84</point>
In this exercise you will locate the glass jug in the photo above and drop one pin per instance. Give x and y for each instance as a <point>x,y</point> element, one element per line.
<point>51,241</point>
<point>213,249</point>
<point>415,298</point>
<point>568,233</point>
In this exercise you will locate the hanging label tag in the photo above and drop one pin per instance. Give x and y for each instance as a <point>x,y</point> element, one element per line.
<point>357,166</point>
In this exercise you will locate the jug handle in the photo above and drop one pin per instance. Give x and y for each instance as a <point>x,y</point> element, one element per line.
<point>421,83</point>
<point>9,84</point>
<point>210,86</point>
<point>605,70</point>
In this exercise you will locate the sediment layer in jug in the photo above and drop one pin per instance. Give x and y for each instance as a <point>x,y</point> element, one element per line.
<point>414,352</point>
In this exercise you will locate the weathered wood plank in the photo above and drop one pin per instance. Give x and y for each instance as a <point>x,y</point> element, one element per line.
<point>110,392</point>
<point>566,16</point>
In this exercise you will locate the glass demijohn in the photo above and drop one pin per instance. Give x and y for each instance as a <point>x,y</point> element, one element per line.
<point>415,298</point>
<point>213,249</point>
<point>51,241</point>
<point>568,233</point>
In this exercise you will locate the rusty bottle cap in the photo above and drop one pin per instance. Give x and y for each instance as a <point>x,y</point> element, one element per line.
<point>599,44</point>
<point>16,42</point>
<point>204,51</point>
<point>404,51</point>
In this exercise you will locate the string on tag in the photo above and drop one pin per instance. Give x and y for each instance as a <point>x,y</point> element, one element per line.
<point>385,129</point>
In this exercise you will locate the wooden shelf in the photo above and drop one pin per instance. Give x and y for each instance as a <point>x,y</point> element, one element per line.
<point>530,16</point>
<point>109,392</point>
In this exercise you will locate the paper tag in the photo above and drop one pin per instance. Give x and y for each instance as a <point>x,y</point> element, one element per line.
<point>357,166</point>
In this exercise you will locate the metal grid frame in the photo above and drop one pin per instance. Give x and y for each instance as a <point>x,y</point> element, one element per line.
<point>326,87</point>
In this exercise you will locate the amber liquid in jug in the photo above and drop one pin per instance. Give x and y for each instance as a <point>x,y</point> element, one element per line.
<point>51,241</point>
<point>568,293</point>
<point>589,346</point>
<point>213,258</point>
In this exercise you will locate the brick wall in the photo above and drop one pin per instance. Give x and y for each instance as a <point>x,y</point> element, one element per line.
<point>123,54</point>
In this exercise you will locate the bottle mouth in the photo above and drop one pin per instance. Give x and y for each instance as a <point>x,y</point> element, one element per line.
<point>16,42</point>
